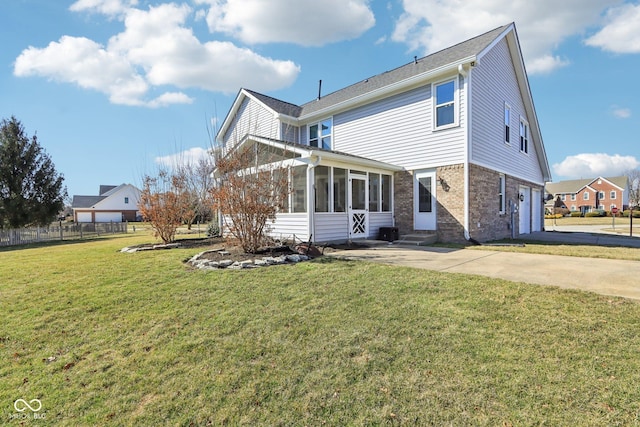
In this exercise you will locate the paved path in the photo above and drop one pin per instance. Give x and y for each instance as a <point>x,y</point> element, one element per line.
<point>603,276</point>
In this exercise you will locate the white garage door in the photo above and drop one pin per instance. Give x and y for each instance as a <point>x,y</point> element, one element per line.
<point>84,216</point>
<point>108,216</point>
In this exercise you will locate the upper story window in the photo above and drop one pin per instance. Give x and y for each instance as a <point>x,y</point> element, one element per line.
<point>573,197</point>
<point>320,134</point>
<point>524,136</point>
<point>445,105</point>
<point>126,200</point>
<point>612,195</point>
<point>507,123</point>
<point>585,195</point>
<point>601,195</point>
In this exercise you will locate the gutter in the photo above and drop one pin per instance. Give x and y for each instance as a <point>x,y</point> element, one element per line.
<point>467,82</point>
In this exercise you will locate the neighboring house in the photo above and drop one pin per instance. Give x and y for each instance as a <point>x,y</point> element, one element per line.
<point>447,144</point>
<point>585,195</point>
<point>114,204</point>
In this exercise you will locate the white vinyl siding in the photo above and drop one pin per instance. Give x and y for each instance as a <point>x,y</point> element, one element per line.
<point>494,85</point>
<point>289,132</point>
<point>398,130</point>
<point>377,220</point>
<point>252,118</point>
<point>287,225</point>
<point>330,227</point>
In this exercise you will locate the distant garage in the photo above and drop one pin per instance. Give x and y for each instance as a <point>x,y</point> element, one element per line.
<point>84,217</point>
<point>108,217</point>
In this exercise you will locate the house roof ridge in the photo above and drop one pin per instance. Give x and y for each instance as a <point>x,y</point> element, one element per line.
<point>435,60</point>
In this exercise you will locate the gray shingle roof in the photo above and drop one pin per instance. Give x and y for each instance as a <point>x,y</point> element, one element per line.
<point>444,57</point>
<point>428,63</point>
<point>574,185</point>
<point>86,201</point>
<point>278,105</point>
<point>106,188</point>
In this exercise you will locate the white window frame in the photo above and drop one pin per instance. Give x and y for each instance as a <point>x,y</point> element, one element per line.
<point>573,197</point>
<point>525,135</point>
<point>507,124</point>
<point>434,98</point>
<point>612,195</point>
<point>502,193</point>
<point>601,195</point>
<point>320,136</point>
<point>585,195</point>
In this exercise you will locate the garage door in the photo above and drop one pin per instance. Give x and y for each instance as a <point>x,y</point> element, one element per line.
<point>108,216</point>
<point>84,216</point>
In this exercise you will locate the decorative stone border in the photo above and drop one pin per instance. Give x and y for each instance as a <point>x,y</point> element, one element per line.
<point>197,261</point>
<point>150,248</point>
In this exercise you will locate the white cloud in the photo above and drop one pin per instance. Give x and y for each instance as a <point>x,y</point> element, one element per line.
<point>589,165</point>
<point>86,63</point>
<point>107,7</point>
<point>621,34</point>
<point>303,22</point>
<point>155,50</point>
<point>192,156</point>
<point>431,25</point>
<point>620,112</point>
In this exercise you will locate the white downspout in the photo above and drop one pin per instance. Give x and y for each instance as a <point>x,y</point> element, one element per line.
<point>467,84</point>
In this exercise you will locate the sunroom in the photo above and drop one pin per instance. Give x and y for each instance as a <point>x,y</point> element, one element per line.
<point>333,196</point>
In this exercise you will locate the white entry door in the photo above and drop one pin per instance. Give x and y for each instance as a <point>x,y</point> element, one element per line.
<point>536,210</point>
<point>524,210</point>
<point>358,202</point>
<point>424,196</point>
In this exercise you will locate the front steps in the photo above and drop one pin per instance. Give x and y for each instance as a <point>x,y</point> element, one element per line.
<point>417,239</point>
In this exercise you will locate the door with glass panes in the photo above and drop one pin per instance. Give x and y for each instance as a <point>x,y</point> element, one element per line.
<point>358,202</point>
<point>424,196</point>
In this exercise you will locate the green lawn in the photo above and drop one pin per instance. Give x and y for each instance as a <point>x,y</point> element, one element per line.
<point>104,338</point>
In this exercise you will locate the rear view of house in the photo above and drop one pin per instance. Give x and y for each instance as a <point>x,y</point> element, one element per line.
<point>447,145</point>
<point>113,204</point>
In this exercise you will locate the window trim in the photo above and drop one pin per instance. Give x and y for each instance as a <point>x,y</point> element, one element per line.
<point>585,195</point>
<point>613,195</point>
<point>502,193</point>
<point>507,124</point>
<point>320,137</point>
<point>524,139</point>
<point>455,102</point>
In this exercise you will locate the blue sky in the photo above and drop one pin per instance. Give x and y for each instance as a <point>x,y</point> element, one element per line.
<point>111,87</point>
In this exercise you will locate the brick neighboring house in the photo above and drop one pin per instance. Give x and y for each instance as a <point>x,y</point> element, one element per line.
<point>448,145</point>
<point>586,195</point>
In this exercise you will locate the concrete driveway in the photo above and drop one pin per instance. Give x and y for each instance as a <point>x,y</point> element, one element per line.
<point>603,276</point>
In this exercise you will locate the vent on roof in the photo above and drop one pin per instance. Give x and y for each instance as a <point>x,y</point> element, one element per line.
<point>319,89</point>
<point>415,59</point>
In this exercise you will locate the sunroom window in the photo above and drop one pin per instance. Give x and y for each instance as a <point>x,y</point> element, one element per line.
<point>299,188</point>
<point>322,188</point>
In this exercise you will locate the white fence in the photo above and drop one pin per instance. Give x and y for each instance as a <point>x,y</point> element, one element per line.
<point>54,232</point>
